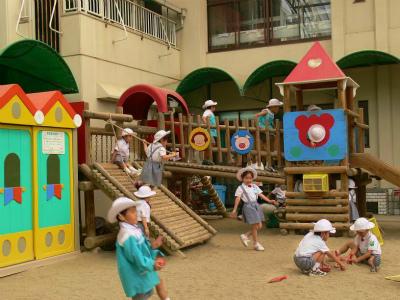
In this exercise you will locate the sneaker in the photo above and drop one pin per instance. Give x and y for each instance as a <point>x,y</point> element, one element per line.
<point>258,247</point>
<point>373,269</point>
<point>305,272</point>
<point>317,272</point>
<point>127,171</point>
<point>245,240</point>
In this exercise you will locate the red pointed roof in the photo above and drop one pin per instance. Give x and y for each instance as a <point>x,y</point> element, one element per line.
<point>315,66</point>
<point>8,91</point>
<point>44,101</point>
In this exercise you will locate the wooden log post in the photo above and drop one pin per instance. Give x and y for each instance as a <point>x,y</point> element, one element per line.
<point>258,143</point>
<point>88,136</point>
<point>161,121</point>
<point>342,93</point>
<point>238,156</point>
<point>286,98</point>
<point>268,156</point>
<point>172,128</point>
<point>360,133</point>
<point>90,221</point>
<point>181,137</point>
<point>189,129</point>
<point>361,193</point>
<point>228,142</point>
<point>350,119</point>
<point>219,156</point>
<point>278,146</point>
<point>209,149</point>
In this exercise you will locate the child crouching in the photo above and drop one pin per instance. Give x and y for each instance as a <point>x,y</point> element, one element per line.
<point>138,262</point>
<point>312,250</point>
<point>365,248</point>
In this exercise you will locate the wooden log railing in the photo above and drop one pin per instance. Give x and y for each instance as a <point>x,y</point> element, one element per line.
<point>268,146</point>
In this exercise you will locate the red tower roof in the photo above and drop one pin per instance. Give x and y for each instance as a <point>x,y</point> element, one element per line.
<point>315,66</point>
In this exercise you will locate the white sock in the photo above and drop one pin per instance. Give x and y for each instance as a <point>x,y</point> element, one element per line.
<point>316,266</point>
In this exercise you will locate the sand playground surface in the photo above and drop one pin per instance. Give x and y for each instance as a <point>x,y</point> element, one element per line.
<point>220,269</point>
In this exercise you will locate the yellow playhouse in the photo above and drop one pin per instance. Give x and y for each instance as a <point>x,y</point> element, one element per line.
<point>38,210</point>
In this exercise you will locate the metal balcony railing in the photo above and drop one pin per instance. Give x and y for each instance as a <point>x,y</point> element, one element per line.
<point>128,14</point>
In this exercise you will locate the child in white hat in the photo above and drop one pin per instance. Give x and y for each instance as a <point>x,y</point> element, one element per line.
<point>312,250</point>
<point>120,155</point>
<point>156,154</point>
<point>209,107</point>
<point>365,247</point>
<point>138,261</point>
<point>144,193</point>
<point>253,214</point>
<point>266,116</point>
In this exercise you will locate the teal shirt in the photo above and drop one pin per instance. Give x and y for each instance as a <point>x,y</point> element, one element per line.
<point>135,259</point>
<point>213,122</point>
<point>268,118</point>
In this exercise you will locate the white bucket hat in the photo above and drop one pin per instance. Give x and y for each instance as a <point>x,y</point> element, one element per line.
<point>274,102</point>
<point>127,131</point>
<point>316,133</point>
<point>119,204</point>
<point>313,107</point>
<point>241,171</point>
<point>362,224</point>
<point>324,225</point>
<point>352,184</point>
<point>160,134</point>
<point>144,192</point>
<point>209,103</point>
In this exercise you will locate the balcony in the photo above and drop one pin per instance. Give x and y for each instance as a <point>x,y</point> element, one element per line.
<point>127,14</point>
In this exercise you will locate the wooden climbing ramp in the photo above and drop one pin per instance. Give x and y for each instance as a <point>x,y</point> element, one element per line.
<point>170,217</point>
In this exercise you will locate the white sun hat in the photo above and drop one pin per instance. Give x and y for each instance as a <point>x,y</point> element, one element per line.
<point>241,171</point>
<point>160,134</point>
<point>209,103</point>
<point>274,102</point>
<point>362,224</point>
<point>324,225</point>
<point>352,184</point>
<point>144,192</point>
<point>316,133</point>
<point>119,204</point>
<point>127,131</point>
<point>313,107</point>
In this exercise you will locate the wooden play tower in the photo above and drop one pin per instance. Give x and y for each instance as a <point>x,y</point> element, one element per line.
<point>325,158</point>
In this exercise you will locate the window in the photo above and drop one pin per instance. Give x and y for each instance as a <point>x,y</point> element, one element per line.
<point>43,9</point>
<point>12,171</point>
<point>364,105</point>
<point>248,23</point>
<point>53,169</point>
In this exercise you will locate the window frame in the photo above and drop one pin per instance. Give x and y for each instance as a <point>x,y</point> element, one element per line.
<point>268,41</point>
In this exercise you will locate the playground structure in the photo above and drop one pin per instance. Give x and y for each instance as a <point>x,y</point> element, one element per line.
<point>38,182</point>
<point>336,156</point>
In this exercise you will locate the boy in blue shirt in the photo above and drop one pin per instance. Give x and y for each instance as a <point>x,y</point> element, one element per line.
<point>138,261</point>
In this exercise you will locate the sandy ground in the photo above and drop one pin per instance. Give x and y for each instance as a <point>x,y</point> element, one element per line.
<point>220,269</point>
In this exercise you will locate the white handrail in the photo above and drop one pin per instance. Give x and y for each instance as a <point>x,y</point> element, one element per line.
<point>51,18</point>
<point>122,23</point>
<point>19,20</point>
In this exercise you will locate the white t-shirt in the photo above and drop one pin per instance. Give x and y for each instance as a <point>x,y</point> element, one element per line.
<point>369,243</point>
<point>311,244</point>
<point>143,211</point>
<point>122,147</point>
<point>207,113</point>
<point>252,192</point>
<point>158,154</point>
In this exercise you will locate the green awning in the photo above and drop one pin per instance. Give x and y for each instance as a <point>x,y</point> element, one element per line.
<point>36,67</point>
<point>276,68</point>
<point>203,77</point>
<point>367,58</point>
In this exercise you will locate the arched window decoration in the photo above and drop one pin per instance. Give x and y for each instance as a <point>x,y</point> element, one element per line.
<point>53,169</point>
<point>12,171</point>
